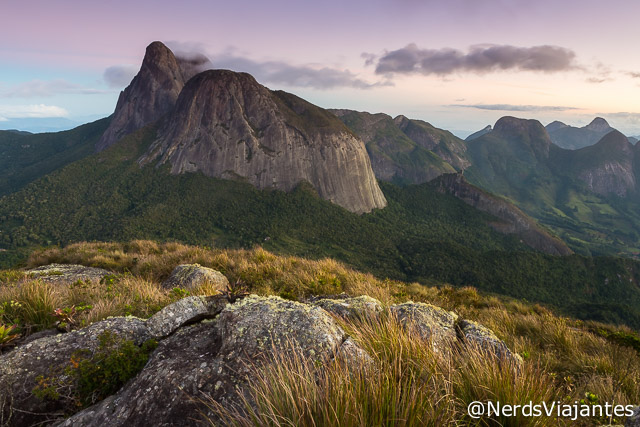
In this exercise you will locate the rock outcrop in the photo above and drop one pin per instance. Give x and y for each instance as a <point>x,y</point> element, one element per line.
<point>207,350</point>
<point>46,357</point>
<point>151,94</point>
<point>214,358</point>
<point>608,166</point>
<point>511,220</point>
<point>190,276</point>
<point>227,125</point>
<point>66,274</point>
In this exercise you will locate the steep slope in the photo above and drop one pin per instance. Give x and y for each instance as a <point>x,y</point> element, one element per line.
<point>511,219</point>
<point>25,157</point>
<point>479,133</point>
<point>607,166</point>
<point>151,94</point>
<point>227,125</point>
<point>443,143</point>
<point>394,156</point>
<point>575,193</point>
<point>574,138</point>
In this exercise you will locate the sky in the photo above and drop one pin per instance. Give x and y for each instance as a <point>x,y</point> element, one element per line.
<point>458,64</point>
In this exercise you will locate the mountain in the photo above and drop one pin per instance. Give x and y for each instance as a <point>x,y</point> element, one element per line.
<point>39,124</point>
<point>574,138</point>
<point>633,139</point>
<point>25,157</point>
<point>152,94</point>
<point>587,197</point>
<point>511,220</point>
<point>479,133</point>
<point>441,142</point>
<point>403,150</point>
<point>227,125</point>
<point>394,156</point>
<point>608,166</point>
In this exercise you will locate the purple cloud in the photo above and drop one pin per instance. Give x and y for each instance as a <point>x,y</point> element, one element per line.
<point>479,59</point>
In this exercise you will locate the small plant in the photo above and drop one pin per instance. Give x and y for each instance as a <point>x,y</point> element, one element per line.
<point>68,317</point>
<point>180,292</point>
<point>90,377</point>
<point>6,335</point>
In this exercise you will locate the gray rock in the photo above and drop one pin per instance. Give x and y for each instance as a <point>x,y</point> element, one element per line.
<point>633,420</point>
<point>429,322</point>
<point>190,276</point>
<point>66,274</point>
<point>212,359</point>
<point>151,94</point>
<point>185,311</point>
<point>49,356</point>
<point>473,333</point>
<point>356,307</point>
<point>227,125</point>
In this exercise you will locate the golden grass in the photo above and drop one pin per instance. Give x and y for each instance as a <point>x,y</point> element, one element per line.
<point>563,357</point>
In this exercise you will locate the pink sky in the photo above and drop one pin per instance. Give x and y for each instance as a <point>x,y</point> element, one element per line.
<point>55,54</point>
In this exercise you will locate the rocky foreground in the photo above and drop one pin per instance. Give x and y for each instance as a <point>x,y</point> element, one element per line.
<point>208,346</point>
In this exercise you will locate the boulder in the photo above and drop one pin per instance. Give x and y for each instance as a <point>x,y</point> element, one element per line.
<point>429,322</point>
<point>473,333</point>
<point>66,274</point>
<point>183,312</point>
<point>211,360</point>
<point>47,357</point>
<point>190,276</point>
<point>350,307</point>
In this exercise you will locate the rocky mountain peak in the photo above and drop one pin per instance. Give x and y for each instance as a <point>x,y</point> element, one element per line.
<point>598,125</point>
<point>226,125</point>
<point>615,141</point>
<point>555,125</point>
<point>151,94</point>
<point>528,132</point>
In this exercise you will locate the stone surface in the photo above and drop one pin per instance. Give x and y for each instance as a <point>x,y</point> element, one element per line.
<point>190,276</point>
<point>634,420</point>
<point>473,333</point>
<point>350,307</point>
<point>429,322</point>
<point>49,356</point>
<point>150,95</point>
<point>227,125</point>
<point>185,311</point>
<point>212,359</point>
<point>67,274</point>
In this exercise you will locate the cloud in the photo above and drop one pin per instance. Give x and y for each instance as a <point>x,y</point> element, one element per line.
<point>479,59</point>
<point>633,74</point>
<point>283,73</point>
<point>31,111</point>
<point>46,88</point>
<point>512,107</point>
<point>119,76</point>
<point>627,117</point>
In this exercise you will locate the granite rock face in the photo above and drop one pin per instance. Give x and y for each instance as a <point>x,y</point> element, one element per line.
<point>608,166</point>
<point>227,125</point>
<point>20,368</point>
<point>213,359</point>
<point>151,94</point>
